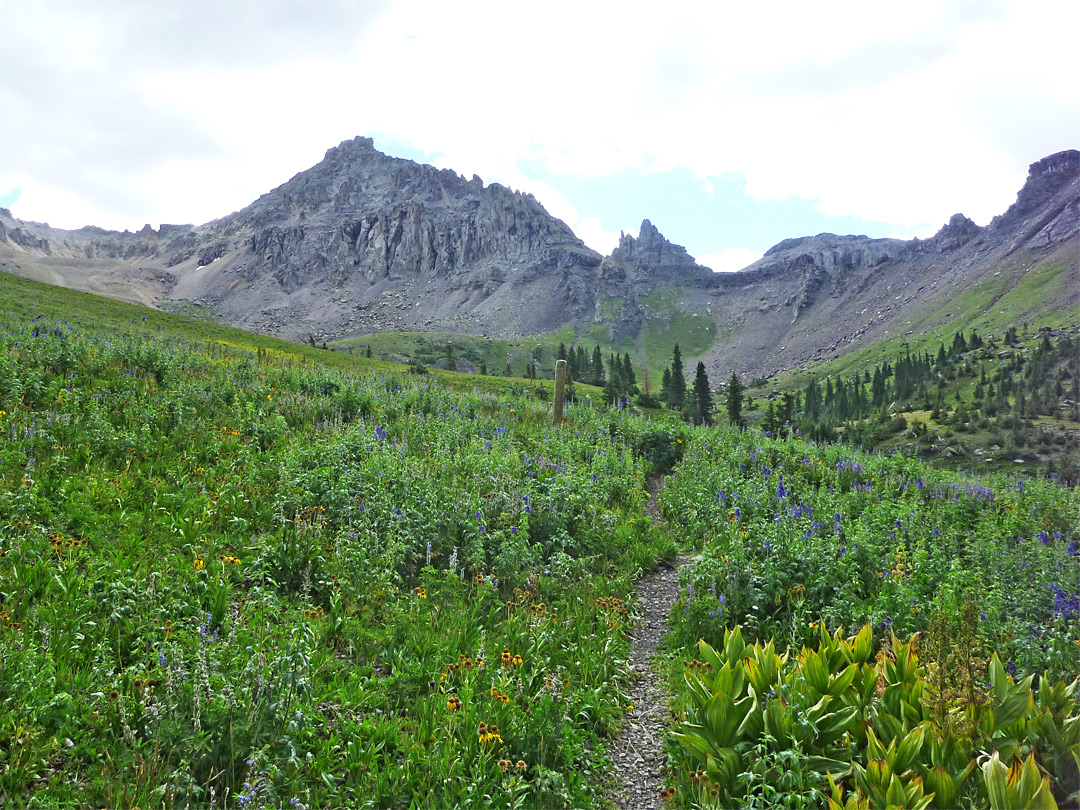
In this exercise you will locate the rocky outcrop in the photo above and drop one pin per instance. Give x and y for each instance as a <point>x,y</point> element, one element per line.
<point>1047,208</point>
<point>958,231</point>
<point>363,242</point>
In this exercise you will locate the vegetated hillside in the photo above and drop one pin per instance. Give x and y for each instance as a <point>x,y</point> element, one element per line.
<point>364,243</point>
<point>235,571</point>
<point>1001,401</point>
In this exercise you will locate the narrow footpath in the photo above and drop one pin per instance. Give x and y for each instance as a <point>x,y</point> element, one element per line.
<point>637,752</point>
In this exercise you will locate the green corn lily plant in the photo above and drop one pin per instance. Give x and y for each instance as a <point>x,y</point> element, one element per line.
<point>869,728</point>
<point>1020,787</point>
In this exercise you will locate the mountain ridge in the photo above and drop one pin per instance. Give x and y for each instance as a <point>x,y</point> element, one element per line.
<point>363,242</point>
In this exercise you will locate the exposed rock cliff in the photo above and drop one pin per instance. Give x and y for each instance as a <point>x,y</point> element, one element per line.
<point>364,242</point>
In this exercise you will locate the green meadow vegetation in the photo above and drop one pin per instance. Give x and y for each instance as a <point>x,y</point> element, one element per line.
<point>238,572</point>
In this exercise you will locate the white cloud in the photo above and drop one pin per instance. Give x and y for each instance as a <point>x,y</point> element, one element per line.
<point>593,234</point>
<point>729,260</point>
<point>123,112</point>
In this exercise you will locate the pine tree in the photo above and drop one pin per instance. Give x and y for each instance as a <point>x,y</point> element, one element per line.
<point>629,378</point>
<point>597,370</point>
<point>451,361</point>
<point>678,381</point>
<point>812,400</point>
<point>770,423</point>
<point>367,354</point>
<point>733,399</point>
<point>665,387</point>
<point>702,396</point>
<point>613,386</point>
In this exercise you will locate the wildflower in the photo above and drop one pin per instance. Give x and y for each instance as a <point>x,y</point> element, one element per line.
<point>505,765</point>
<point>453,703</point>
<point>506,658</point>
<point>517,662</point>
<point>420,591</point>
<point>168,629</point>
<point>200,564</point>
<point>630,709</point>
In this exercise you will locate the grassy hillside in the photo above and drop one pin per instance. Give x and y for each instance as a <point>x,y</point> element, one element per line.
<point>237,572</point>
<point>669,320</point>
<point>1026,298</point>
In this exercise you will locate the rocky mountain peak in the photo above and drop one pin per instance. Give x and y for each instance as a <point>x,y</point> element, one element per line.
<point>1046,179</point>
<point>652,249</point>
<point>956,232</point>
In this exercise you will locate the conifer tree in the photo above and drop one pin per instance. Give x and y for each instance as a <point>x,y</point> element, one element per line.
<point>702,396</point>
<point>582,363</point>
<point>597,370</point>
<point>678,381</point>
<point>812,400</point>
<point>629,378</point>
<point>771,422</point>
<point>733,399</point>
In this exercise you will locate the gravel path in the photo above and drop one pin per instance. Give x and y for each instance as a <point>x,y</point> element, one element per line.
<point>637,752</point>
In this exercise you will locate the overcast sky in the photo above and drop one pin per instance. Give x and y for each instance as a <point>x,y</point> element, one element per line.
<point>730,125</point>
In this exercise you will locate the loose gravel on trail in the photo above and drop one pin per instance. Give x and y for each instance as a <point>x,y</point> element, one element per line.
<point>637,752</point>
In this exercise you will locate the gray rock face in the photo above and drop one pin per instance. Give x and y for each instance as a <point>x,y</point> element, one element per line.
<point>364,242</point>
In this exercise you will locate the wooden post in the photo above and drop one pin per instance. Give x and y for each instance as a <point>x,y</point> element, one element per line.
<point>560,389</point>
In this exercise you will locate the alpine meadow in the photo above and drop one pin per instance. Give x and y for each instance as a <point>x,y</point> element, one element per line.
<point>241,572</point>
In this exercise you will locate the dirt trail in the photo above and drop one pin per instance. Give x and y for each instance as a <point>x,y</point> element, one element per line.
<point>637,752</point>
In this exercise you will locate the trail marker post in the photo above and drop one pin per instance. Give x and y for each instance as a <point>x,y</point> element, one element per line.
<point>560,389</point>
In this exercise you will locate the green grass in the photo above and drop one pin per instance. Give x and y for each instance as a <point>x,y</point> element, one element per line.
<point>670,320</point>
<point>430,347</point>
<point>232,565</point>
<point>1028,299</point>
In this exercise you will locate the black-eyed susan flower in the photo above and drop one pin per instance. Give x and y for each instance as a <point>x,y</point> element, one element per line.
<point>453,703</point>
<point>505,765</point>
<point>520,766</point>
<point>199,564</point>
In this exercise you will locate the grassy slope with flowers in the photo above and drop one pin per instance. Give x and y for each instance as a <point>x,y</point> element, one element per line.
<point>240,572</point>
<point>795,538</point>
<point>235,576</point>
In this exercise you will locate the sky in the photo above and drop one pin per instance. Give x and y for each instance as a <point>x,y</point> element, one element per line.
<point>731,126</point>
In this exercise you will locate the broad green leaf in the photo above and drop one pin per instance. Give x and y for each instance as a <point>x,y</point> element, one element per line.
<point>907,751</point>
<point>816,672</point>
<point>842,681</point>
<point>863,645</point>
